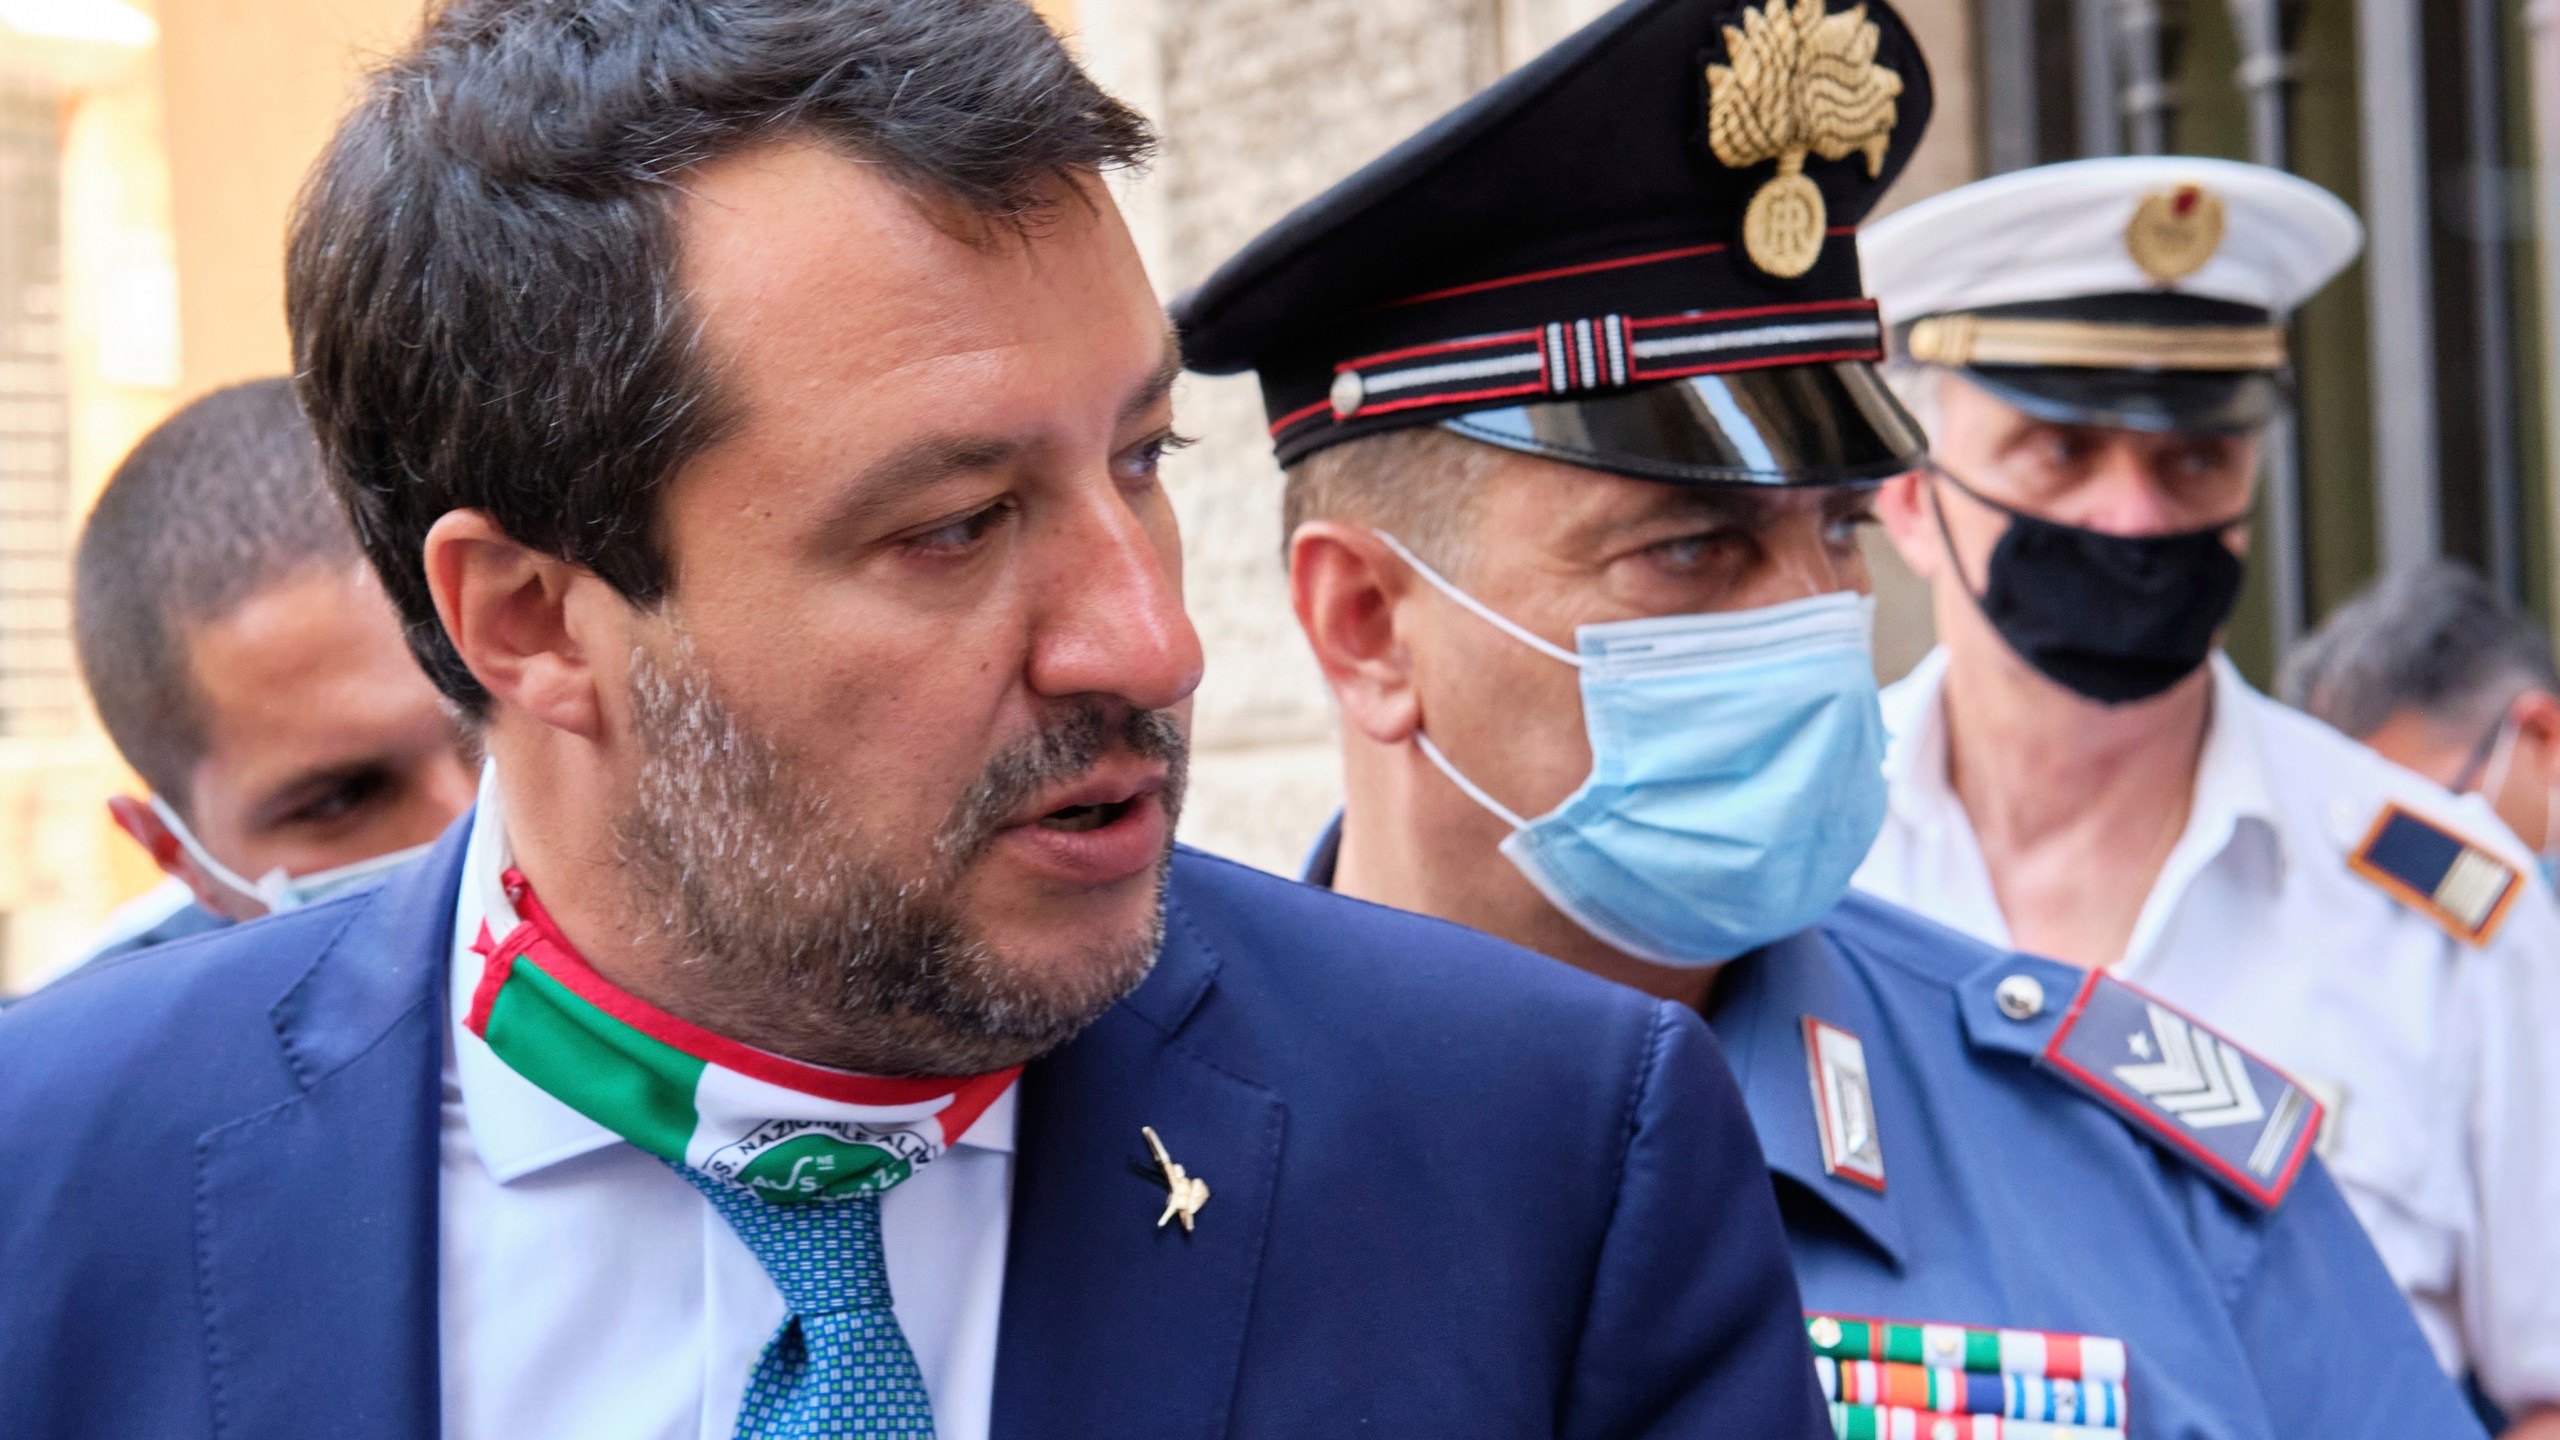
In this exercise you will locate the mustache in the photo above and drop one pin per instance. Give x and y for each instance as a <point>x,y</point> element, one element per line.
<point>1064,748</point>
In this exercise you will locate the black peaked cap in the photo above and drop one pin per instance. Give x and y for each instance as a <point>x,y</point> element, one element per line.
<point>1569,238</point>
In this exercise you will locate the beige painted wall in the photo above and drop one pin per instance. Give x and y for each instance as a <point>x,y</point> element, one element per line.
<point>61,865</point>
<point>251,89</point>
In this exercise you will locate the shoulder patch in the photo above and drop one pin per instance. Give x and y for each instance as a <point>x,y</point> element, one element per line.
<point>2240,1120</point>
<point>2461,886</point>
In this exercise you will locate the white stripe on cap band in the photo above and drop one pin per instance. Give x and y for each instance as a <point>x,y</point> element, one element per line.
<point>1747,339</point>
<point>1380,383</point>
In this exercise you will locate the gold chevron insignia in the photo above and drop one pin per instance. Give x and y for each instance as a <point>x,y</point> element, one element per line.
<point>1798,82</point>
<point>2173,233</point>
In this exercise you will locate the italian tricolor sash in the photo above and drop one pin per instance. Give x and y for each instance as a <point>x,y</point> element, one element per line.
<point>787,1132</point>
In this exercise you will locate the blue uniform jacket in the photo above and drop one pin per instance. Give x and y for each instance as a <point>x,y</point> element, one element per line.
<point>1456,1190</point>
<point>2013,1200</point>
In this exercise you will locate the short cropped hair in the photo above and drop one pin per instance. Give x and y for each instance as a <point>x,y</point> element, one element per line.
<point>222,501</point>
<point>2435,640</point>
<point>1419,484</point>
<point>481,276</point>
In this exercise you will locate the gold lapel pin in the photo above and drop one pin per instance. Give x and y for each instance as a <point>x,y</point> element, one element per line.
<point>1184,1193</point>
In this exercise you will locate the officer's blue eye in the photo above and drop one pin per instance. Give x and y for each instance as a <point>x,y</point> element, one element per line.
<point>1688,552</point>
<point>1843,530</point>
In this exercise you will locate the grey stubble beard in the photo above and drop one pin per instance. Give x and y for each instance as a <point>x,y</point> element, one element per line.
<point>792,931</point>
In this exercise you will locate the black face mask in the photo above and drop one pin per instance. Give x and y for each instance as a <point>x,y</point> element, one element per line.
<point>2116,618</point>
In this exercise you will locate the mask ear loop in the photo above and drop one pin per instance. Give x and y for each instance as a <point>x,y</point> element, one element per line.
<point>1474,791</point>
<point>1946,537</point>
<point>1481,610</point>
<point>1504,623</point>
<point>2492,772</point>
<point>221,874</point>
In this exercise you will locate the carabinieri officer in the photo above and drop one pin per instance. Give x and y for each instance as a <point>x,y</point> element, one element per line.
<point>1575,394</point>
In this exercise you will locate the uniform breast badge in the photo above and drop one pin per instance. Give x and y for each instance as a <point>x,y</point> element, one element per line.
<point>1184,1193</point>
<point>1798,82</point>
<point>1844,1105</point>
<point>1888,1380</point>
<point>2241,1120</point>
<point>2457,884</point>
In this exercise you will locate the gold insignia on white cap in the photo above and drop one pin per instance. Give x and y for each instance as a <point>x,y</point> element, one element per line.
<point>1798,81</point>
<point>2174,232</point>
<point>2059,232</point>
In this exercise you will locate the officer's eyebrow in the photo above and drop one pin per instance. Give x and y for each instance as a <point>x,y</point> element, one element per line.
<point>1733,505</point>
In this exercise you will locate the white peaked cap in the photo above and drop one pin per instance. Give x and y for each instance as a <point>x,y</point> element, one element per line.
<point>2057,232</point>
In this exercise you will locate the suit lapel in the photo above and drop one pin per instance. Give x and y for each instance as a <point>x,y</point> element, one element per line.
<point>1113,1325</point>
<point>316,1229</point>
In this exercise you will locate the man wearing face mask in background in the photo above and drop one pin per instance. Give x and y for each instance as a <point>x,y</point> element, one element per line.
<point>1577,455</point>
<point>251,671</point>
<point>2077,772</point>
<point>2439,673</point>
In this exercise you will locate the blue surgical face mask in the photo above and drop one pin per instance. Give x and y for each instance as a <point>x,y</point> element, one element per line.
<point>276,890</point>
<point>1737,774</point>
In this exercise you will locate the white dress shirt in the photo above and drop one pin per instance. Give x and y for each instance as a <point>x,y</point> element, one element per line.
<point>2440,1061</point>
<point>588,1291</point>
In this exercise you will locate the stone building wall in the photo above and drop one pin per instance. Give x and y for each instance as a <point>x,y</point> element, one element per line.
<point>1262,104</point>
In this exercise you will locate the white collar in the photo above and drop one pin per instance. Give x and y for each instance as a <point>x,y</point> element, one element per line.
<point>2231,786</point>
<point>517,1127</point>
<point>2231,798</point>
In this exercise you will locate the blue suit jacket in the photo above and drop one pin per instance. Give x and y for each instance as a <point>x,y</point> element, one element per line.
<point>1457,1190</point>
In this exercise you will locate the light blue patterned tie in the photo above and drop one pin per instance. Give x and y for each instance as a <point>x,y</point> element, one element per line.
<point>839,1366</point>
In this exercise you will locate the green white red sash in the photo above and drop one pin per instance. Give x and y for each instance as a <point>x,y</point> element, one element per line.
<point>786,1132</point>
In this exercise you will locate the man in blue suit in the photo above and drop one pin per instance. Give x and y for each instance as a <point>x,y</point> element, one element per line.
<point>754,409</point>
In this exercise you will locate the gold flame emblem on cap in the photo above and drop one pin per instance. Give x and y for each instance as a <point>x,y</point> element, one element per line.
<point>2173,233</point>
<point>1798,82</point>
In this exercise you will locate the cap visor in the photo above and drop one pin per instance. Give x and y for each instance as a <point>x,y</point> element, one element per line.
<point>1825,424</point>
<point>2180,402</point>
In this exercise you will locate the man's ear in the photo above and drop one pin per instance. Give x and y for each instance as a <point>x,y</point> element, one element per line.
<point>2536,717</point>
<point>140,821</point>
<point>1905,505</point>
<point>1346,585</point>
<point>523,621</point>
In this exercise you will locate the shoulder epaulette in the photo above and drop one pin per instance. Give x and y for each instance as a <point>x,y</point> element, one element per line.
<point>2239,1119</point>
<point>2463,887</point>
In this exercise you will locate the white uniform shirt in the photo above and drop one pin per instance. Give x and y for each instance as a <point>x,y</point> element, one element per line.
<point>588,1291</point>
<point>2441,1061</point>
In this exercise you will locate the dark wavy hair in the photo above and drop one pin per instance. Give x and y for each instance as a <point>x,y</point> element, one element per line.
<point>480,278</point>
